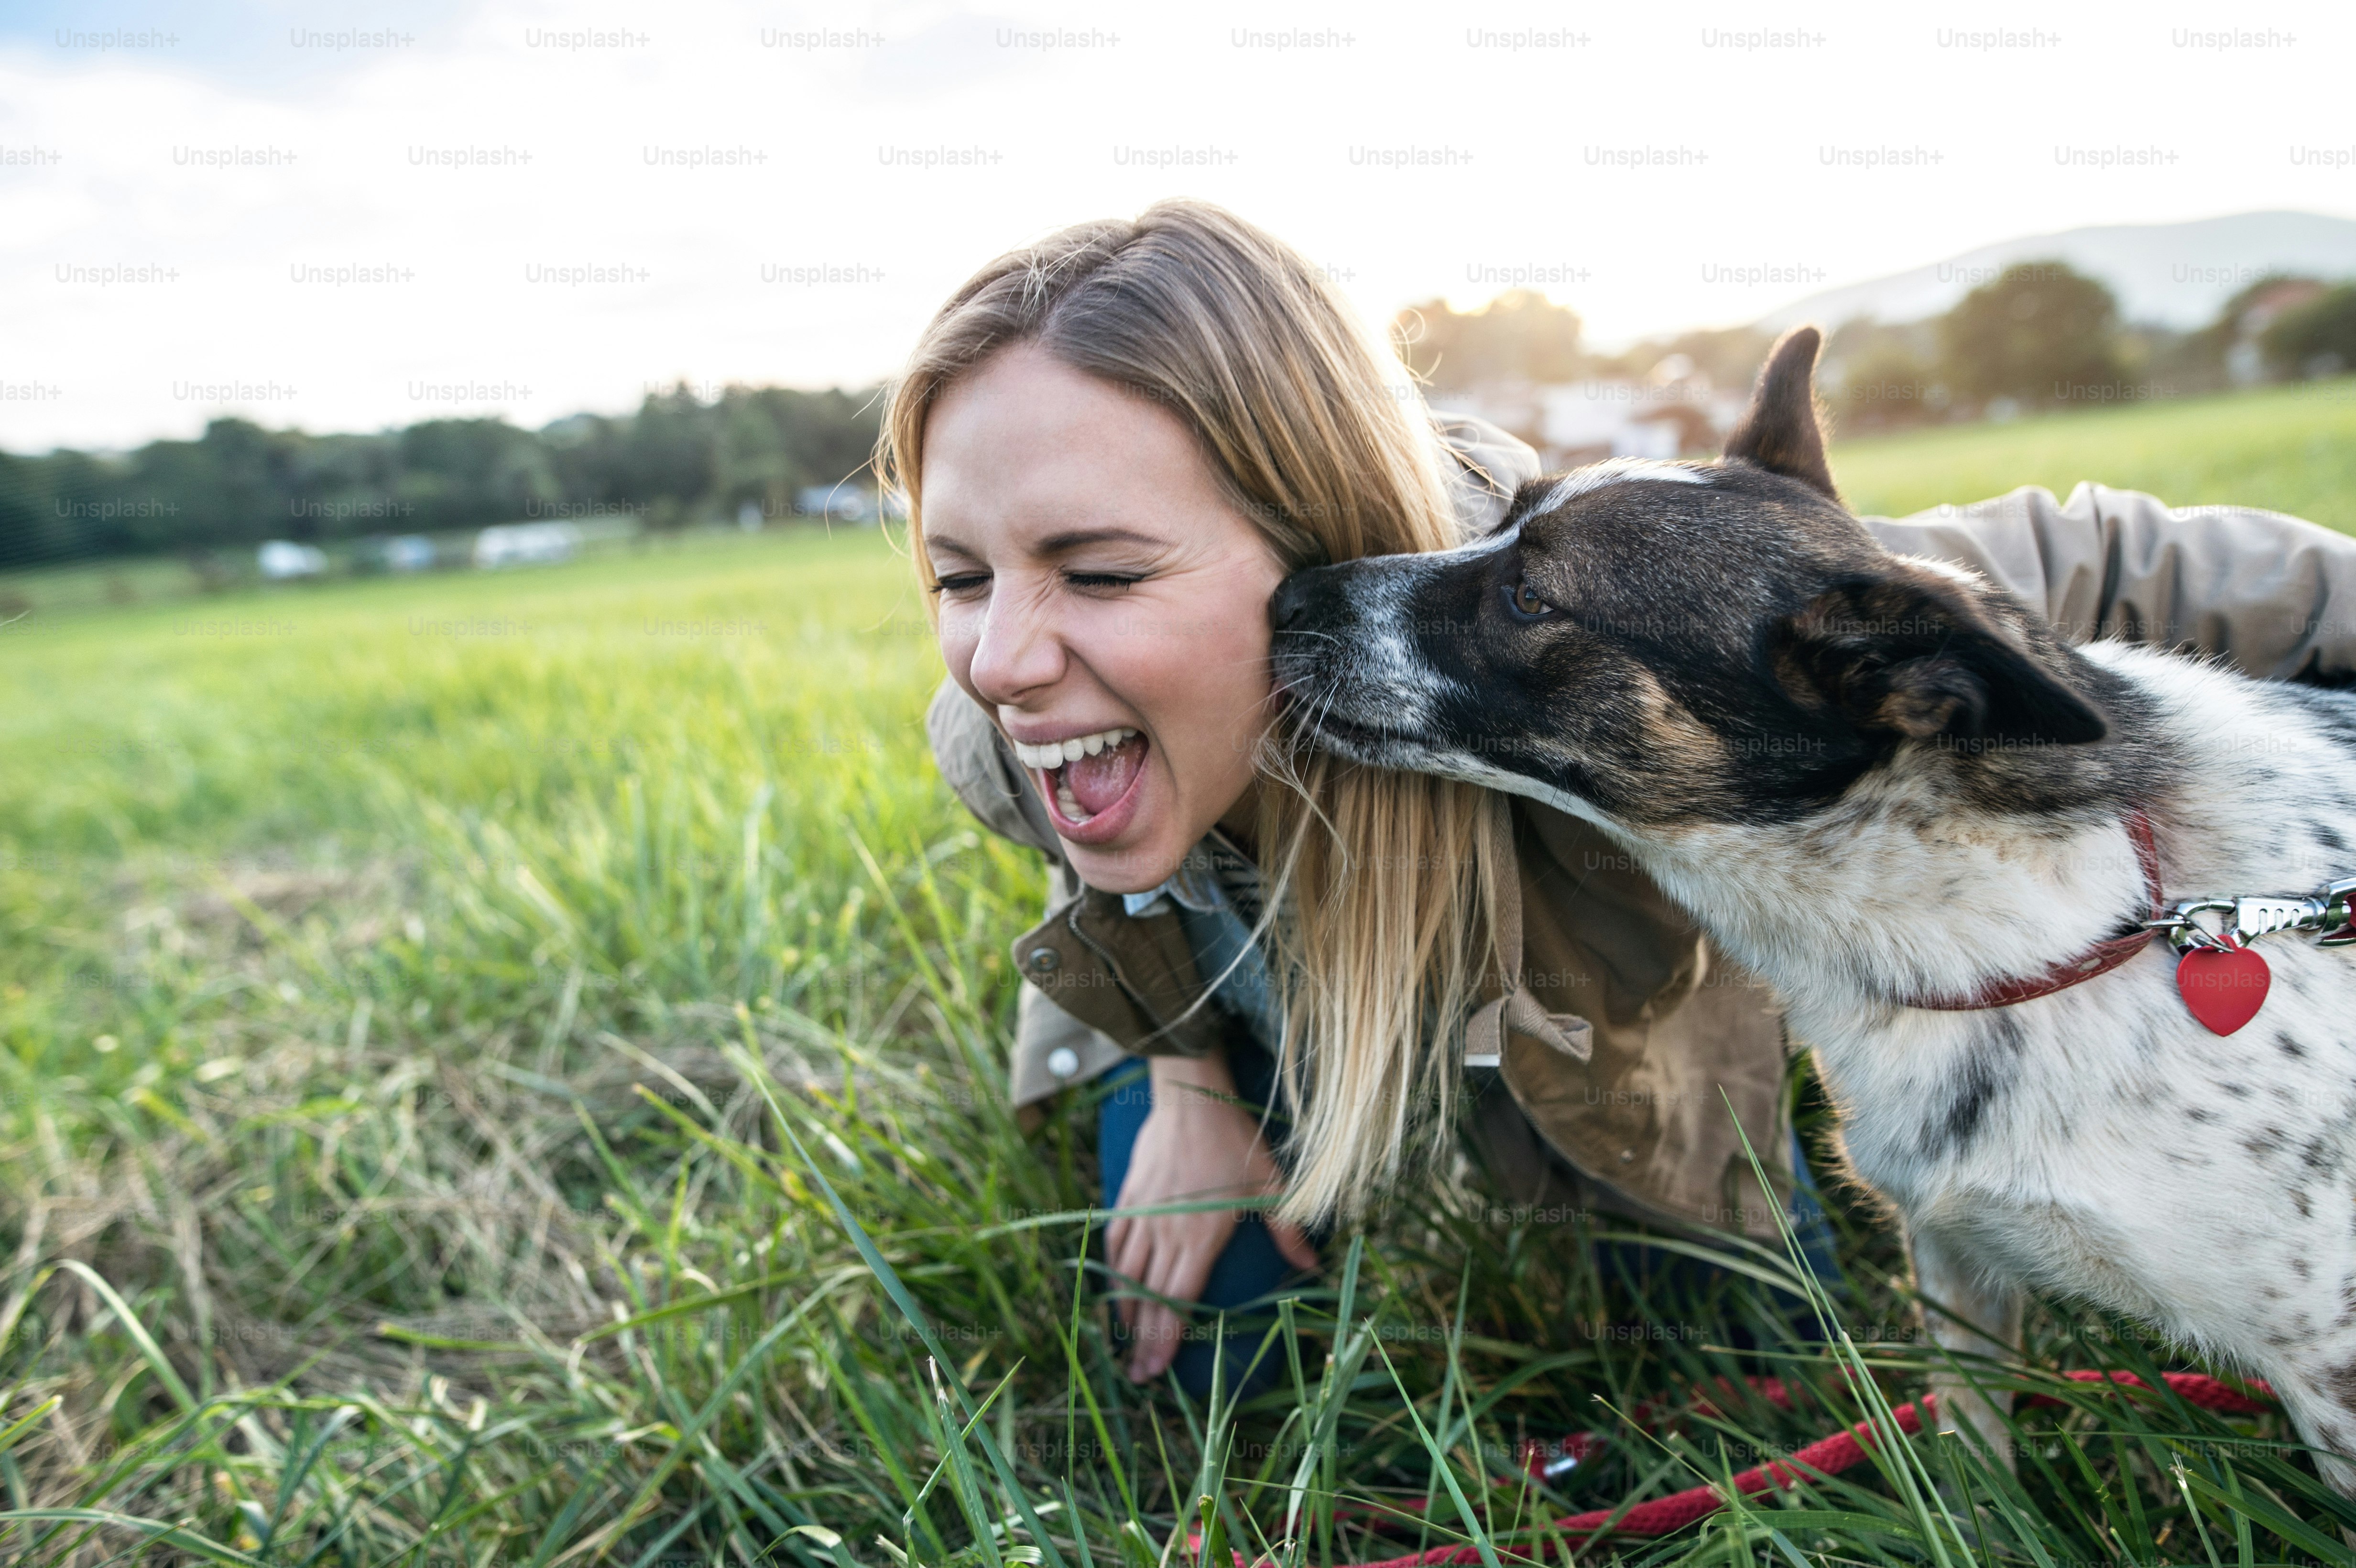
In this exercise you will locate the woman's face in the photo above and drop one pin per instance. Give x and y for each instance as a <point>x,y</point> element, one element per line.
<point>1099,594</point>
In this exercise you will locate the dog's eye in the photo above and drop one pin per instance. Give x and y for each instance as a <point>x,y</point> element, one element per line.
<point>1526,600</point>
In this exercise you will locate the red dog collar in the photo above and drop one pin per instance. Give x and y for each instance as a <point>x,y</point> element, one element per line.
<point>2099,959</point>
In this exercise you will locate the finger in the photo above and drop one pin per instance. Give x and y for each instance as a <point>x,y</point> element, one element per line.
<point>1139,1239</point>
<point>1295,1245</point>
<point>1183,1268</point>
<point>1157,1342</point>
<point>1120,1248</point>
<point>1128,1262</point>
<point>1149,1265</point>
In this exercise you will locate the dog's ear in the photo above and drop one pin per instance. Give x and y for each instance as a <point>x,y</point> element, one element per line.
<point>1779,431</point>
<point>1908,654</point>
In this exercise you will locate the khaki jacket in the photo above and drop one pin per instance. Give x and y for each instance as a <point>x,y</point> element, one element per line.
<point>1639,1128</point>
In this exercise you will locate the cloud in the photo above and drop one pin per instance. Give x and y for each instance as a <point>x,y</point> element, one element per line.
<point>945,54</point>
<point>586,200</point>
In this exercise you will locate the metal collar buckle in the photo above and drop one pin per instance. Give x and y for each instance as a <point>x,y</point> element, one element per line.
<point>2327,910</point>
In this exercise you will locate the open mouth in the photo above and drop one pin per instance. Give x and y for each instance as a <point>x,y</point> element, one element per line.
<point>1090,781</point>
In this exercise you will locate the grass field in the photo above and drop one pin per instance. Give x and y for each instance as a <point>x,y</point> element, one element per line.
<point>2292,449</point>
<point>465,1037</point>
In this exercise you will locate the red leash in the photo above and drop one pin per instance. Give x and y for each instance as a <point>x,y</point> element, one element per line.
<point>1826,1456</point>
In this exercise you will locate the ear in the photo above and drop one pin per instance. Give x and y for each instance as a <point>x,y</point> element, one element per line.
<point>1908,654</point>
<point>1779,430</point>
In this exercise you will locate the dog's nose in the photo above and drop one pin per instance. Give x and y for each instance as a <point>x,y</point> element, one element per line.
<point>1296,598</point>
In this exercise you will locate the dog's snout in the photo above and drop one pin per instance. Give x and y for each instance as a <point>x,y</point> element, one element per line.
<point>1292,601</point>
<point>1295,601</point>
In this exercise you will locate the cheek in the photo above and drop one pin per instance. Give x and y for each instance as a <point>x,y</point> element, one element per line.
<point>1197,672</point>
<point>1211,678</point>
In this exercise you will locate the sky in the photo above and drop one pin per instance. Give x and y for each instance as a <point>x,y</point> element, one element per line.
<point>351,216</point>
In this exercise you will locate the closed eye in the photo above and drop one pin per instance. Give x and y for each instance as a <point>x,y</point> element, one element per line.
<point>962,584</point>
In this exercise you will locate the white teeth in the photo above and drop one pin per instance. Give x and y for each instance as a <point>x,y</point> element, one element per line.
<point>1055,754</point>
<point>1070,806</point>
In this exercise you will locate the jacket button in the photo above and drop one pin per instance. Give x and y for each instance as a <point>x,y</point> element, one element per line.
<point>1044,959</point>
<point>1063,1061</point>
<point>1627,1155</point>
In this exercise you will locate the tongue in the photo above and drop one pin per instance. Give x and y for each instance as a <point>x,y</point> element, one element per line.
<point>1096,782</point>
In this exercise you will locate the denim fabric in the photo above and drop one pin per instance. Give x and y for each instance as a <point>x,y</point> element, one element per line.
<point>1248,1277</point>
<point>1216,894</point>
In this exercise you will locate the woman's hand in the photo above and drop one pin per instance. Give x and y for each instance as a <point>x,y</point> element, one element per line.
<point>1193,1144</point>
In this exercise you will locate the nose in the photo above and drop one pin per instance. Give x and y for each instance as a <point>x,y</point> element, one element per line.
<point>1018,653</point>
<point>1298,597</point>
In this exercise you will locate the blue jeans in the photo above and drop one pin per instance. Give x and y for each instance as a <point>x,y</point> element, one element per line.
<point>1250,1275</point>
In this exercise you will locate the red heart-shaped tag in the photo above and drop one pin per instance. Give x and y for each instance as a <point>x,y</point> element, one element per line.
<point>2224,988</point>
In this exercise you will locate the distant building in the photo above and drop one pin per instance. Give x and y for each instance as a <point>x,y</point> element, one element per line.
<point>408,552</point>
<point>1672,412</point>
<point>2245,356</point>
<point>527,544</point>
<point>846,502</point>
<point>395,552</point>
<point>1587,422</point>
<point>281,560</point>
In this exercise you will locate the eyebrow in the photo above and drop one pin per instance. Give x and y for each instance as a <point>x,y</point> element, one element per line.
<point>1057,544</point>
<point>1076,538</point>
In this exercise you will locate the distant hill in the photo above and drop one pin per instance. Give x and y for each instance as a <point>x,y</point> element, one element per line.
<point>2171,273</point>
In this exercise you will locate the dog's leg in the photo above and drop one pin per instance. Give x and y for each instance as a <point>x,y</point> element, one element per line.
<point>2319,1396</point>
<point>1972,1316</point>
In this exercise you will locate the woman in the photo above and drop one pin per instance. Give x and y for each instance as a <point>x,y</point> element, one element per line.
<point>1114,444</point>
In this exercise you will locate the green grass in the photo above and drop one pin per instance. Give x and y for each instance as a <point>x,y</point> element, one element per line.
<point>2292,449</point>
<point>492,1080</point>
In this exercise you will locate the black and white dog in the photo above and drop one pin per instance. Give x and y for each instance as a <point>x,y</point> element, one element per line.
<point>1939,831</point>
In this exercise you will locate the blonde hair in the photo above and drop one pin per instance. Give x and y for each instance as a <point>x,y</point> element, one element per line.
<point>1324,444</point>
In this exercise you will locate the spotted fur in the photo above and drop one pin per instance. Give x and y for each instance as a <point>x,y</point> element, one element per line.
<point>1874,779</point>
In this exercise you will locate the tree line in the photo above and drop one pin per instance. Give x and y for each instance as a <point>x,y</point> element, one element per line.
<point>2038,336</point>
<point>679,457</point>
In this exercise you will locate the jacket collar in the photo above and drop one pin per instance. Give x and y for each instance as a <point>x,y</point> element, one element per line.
<point>1215,875</point>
